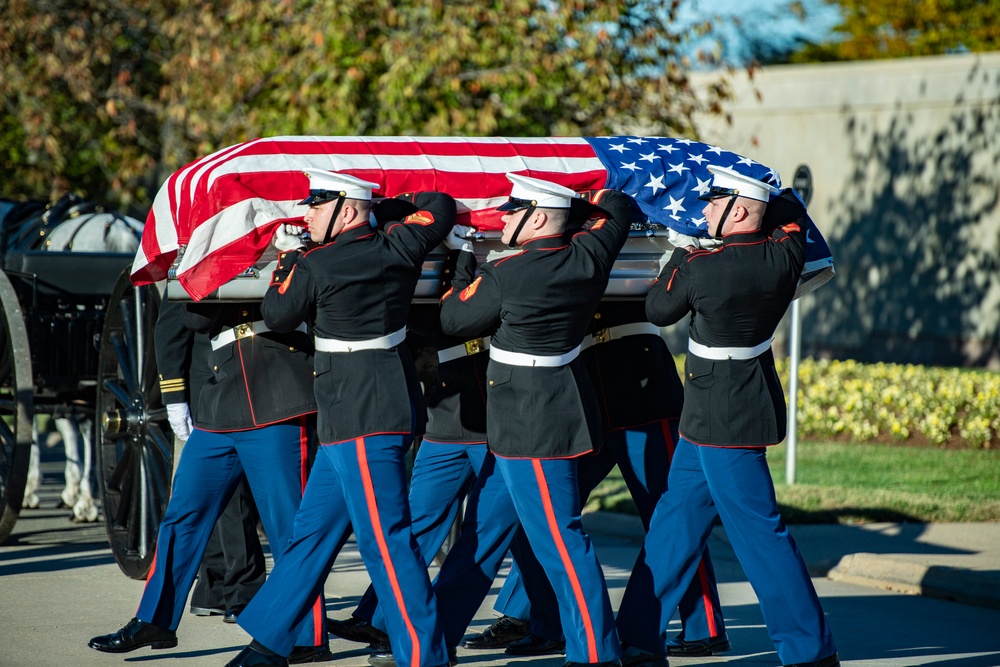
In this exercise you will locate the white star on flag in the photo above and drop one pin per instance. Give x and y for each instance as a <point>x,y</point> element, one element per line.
<point>617,147</point>
<point>703,186</point>
<point>679,168</point>
<point>648,157</point>
<point>630,166</point>
<point>655,182</point>
<point>675,206</point>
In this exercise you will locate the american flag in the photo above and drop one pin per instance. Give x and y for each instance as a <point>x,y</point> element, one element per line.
<point>223,207</point>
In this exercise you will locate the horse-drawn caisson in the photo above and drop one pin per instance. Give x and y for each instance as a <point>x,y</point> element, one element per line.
<point>208,237</point>
<point>61,264</point>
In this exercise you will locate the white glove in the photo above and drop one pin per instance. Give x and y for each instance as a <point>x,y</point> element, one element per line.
<point>679,240</point>
<point>179,416</point>
<point>288,237</point>
<point>458,238</point>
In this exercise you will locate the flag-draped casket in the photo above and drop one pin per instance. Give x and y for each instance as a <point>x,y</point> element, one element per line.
<point>222,209</point>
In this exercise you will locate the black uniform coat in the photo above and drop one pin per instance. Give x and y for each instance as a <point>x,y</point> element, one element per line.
<point>543,299</point>
<point>359,287</point>
<point>257,380</point>
<point>456,389</point>
<point>181,357</point>
<point>636,377</point>
<point>737,295</point>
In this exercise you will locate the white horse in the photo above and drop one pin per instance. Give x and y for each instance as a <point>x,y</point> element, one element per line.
<point>88,232</point>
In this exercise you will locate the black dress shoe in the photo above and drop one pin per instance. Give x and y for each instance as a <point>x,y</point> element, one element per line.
<point>535,645</point>
<point>135,634</point>
<point>231,615</point>
<point>505,631</point>
<point>678,647</point>
<point>382,657</point>
<point>828,661</point>
<point>304,654</point>
<point>206,611</point>
<point>356,630</point>
<point>633,657</point>
<point>251,658</point>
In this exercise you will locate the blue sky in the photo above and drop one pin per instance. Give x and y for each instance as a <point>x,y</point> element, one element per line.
<point>741,26</point>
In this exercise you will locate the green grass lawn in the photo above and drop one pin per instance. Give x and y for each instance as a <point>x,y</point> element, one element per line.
<point>859,483</point>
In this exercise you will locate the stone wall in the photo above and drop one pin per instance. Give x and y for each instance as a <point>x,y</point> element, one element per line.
<point>905,160</point>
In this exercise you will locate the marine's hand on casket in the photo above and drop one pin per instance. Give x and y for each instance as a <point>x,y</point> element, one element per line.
<point>458,238</point>
<point>288,237</point>
<point>679,240</point>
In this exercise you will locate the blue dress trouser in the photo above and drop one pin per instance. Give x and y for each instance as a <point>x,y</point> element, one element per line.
<point>542,495</point>
<point>359,482</point>
<point>442,476</point>
<point>273,459</point>
<point>734,484</point>
<point>643,454</point>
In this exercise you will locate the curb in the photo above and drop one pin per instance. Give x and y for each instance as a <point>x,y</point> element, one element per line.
<point>937,581</point>
<point>920,575</point>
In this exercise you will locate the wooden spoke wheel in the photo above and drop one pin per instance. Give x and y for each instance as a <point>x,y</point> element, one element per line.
<point>135,443</point>
<point>16,407</point>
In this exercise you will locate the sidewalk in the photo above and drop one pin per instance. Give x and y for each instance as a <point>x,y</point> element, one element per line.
<point>950,561</point>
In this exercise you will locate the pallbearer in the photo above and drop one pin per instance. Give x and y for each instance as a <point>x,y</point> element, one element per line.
<point>355,289</point>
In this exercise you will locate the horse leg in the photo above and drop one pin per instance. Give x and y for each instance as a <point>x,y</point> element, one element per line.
<point>71,444</point>
<point>30,500</point>
<point>84,510</point>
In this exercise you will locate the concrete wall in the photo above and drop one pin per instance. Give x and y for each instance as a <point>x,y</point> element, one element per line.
<point>904,156</point>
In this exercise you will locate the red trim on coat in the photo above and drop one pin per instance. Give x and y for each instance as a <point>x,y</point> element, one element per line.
<point>246,383</point>
<point>733,446</point>
<point>544,458</point>
<point>362,437</point>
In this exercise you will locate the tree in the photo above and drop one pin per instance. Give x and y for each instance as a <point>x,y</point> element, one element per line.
<point>114,96</point>
<point>903,28</point>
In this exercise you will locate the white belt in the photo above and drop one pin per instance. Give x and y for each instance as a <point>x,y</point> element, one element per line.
<point>245,330</point>
<point>380,343</point>
<point>521,359</point>
<point>620,331</point>
<point>463,350</point>
<point>726,353</point>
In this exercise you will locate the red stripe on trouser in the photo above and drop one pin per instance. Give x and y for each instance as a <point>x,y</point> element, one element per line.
<point>366,479</point>
<point>574,580</point>
<point>713,631</point>
<point>303,451</point>
<point>318,612</point>
<point>668,438</point>
<point>149,575</point>
<point>709,612</point>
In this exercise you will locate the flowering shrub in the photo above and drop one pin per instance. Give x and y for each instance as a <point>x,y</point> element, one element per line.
<point>881,402</point>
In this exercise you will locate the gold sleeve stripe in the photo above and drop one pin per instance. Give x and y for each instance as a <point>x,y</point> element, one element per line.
<point>179,384</point>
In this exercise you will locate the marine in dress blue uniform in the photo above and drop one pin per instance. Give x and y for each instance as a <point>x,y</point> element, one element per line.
<point>640,397</point>
<point>256,415</point>
<point>452,449</point>
<point>356,288</point>
<point>733,409</point>
<point>233,568</point>
<point>542,411</point>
